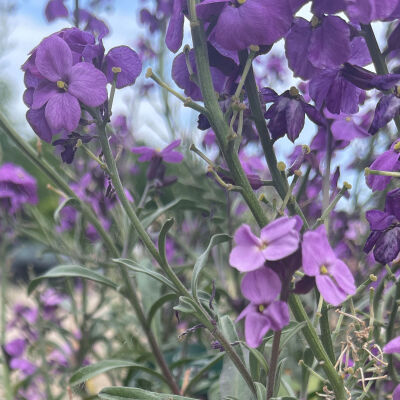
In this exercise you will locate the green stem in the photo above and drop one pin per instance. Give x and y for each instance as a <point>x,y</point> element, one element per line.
<point>273,363</point>
<point>389,331</point>
<point>392,174</point>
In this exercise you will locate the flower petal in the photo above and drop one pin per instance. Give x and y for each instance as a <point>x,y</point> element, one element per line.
<point>129,62</point>
<point>88,84</point>
<point>63,112</point>
<point>255,327</point>
<point>43,93</point>
<point>246,258</point>
<point>38,123</point>
<point>261,286</point>
<point>393,346</point>
<point>54,59</point>
<point>278,315</point>
<point>329,290</point>
<point>387,161</point>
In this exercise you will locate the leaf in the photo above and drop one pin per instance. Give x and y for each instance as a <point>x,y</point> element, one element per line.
<point>158,304</point>
<point>71,271</point>
<point>162,238</point>
<point>261,391</point>
<point>185,305</point>
<point>290,332</point>
<point>85,373</point>
<point>70,201</point>
<point>229,331</point>
<point>134,266</point>
<point>258,356</point>
<point>127,393</point>
<point>278,375</point>
<point>283,398</point>
<point>203,370</point>
<point>201,261</point>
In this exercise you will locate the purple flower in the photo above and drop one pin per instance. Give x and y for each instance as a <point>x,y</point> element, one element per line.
<point>366,11</point>
<point>127,60</point>
<point>327,6</point>
<point>242,23</point>
<point>55,9</point>
<point>386,109</point>
<point>322,43</point>
<point>16,347</point>
<point>264,312</point>
<point>23,365</point>
<point>333,278</point>
<point>277,240</point>
<point>65,84</point>
<point>396,393</point>
<point>93,24</point>
<point>17,188</point>
<point>387,161</point>
<point>385,229</point>
<point>174,36</point>
<point>69,145</point>
<point>168,154</point>
<point>287,113</point>
<point>393,346</point>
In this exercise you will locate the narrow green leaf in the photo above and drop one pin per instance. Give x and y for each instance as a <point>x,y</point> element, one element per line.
<point>71,271</point>
<point>289,333</point>
<point>279,371</point>
<point>201,261</point>
<point>229,331</point>
<point>258,356</point>
<point>158,304</point>
<point>185,305</point>
<point>85,373</point>
<point>134,266</point>
<point>261,391</point>
<point>127,393</point>
<point>162,238</point>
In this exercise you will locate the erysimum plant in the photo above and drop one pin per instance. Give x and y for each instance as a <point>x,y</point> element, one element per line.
<point>238,266</point>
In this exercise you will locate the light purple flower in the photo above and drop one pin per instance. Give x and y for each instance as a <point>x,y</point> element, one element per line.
<point>334,279</point>
<point>23,365</point>
<point>167,154</point>
<point>396,393</point>
<point>16,347</point>
<point>65,84</point>
<point>264,312</point>
<point>277,240</point>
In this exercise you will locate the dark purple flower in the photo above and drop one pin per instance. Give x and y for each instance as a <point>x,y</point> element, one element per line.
<point>320,7</point>
<point>287,113</point>
<point>385,229</point>
<point>149,19</point>
<point>174,36</point>
<point>168,154</point>
<point>387,161</point>
<point>17,188</point>
<point>366,11</point>
<point>264,312</point>
<point>322,43</point>
<point>93,24</point>
<point>55,9</point>
<point>65,84</point>
<point>277,240</point>
<point>127,60</point>
<point>386,109</point>
<point>333,277</point>
<point>15,348</point>
<point>242,23</point>
<point>69,145</point>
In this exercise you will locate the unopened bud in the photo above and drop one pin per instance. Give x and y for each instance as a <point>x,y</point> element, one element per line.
<point>281,166</point>
<point>347,185</point>
<point>149,72</point>
<point>373,278</point>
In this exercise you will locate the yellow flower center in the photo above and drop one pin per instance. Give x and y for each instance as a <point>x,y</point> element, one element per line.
<point>294,92</point>
<point>396,147</point>
<point>241,1</point>
<point>323,270</point>
<point>348,119</point>
<point>61,84</point>
<point>261,308</point>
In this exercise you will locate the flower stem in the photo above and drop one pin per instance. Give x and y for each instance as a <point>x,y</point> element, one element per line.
<point>273,363</point>
<point>392,174</point>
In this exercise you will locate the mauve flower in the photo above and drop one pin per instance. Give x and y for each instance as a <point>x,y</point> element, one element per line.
<point>65,84</point>
<point>15,348</point>
<point>55,9</point>
<point>333,277</point>
<point>17,188</point>
<point>264,312</point>
<point>396,393</point>
<point>23,365</point>
<point>242,23</point>
<point>385,229</point>
<point>69,145</point>
<point>277,240</point>
<point>387,161</point>
<point>93,24</point>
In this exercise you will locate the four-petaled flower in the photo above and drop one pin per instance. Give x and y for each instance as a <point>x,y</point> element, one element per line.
<point>277,240</point>
<point>264,312</point>
<point>333,277</point>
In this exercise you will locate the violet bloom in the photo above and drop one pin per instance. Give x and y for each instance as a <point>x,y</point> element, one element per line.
<point>333,277</point>
<point>55,9</point>
<point>396,393</point>
<point>17,188</point>
<point>387,108</point>
<point>65,85</point>
<point>385,229</point>
<point>277,240</point>
<point>393,346</point>
<point>23,365</point>
<point>264,312</point>
<point>287,113</point>
<point>156,157</point>
<point>366,11</point>
<point>174,35</point>
<point>15,348</point>
<point>387,161</point>
<point>241,23</point>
